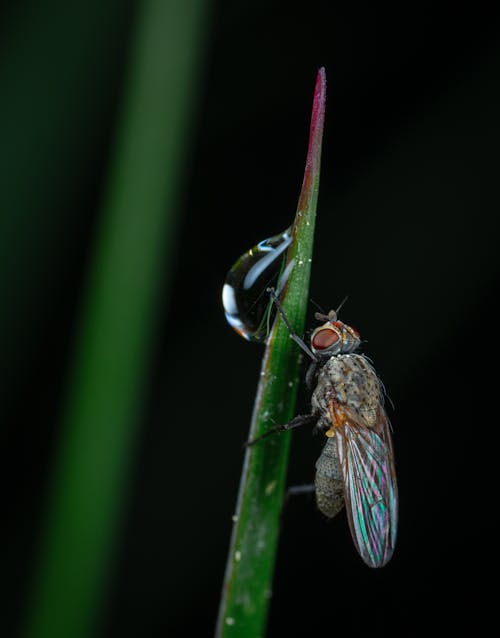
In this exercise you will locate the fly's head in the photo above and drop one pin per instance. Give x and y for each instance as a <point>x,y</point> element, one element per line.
<point>334,336</point>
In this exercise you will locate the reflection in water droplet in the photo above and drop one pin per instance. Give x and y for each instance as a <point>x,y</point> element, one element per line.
<point>245,298</point>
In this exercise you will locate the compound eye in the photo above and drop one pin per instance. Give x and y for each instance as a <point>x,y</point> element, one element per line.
<point>324,339</point>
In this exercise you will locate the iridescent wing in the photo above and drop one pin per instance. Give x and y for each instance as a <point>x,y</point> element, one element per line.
<point>370,488</point>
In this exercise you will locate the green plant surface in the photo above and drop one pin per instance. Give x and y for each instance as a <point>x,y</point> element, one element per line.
<point>249,571</point>
<point>105,391</point>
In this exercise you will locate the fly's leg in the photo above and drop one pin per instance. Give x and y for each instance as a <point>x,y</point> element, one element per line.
<point>312,375</point>
<point>322,425</point>
<point>292,492</point>
<point>299,490</point>
<point>292,332</point>
<point>296,422</point>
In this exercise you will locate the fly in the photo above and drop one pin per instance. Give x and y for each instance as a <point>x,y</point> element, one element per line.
<point>356,465</point>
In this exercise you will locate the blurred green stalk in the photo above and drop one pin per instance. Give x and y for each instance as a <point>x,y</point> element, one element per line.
<point>114,343</point>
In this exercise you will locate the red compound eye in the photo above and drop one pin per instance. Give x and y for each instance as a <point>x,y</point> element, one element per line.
<point>324,339</point>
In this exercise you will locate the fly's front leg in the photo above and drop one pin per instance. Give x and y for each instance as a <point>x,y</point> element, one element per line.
<point>312,375</point>
<point>296,422</point>
<point>293,334</point>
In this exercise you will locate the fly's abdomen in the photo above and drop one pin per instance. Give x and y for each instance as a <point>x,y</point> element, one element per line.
<point>328,480</point>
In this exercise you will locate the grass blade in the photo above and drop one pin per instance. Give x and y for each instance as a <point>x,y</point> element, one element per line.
<point>249,571</point>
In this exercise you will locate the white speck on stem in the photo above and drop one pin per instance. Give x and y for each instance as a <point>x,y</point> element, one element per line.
<point>234,518</point>
<point>229,621</point>
<point>270,488</point>
<point>237,555</point>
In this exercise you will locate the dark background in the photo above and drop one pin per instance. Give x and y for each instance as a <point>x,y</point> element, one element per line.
<point>407,226</point>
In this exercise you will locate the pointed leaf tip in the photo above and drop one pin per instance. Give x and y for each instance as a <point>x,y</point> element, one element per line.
<point>313,160</point>
<point>317,117</point>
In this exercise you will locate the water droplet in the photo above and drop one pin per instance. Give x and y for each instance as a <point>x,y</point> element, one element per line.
<point>247,304</point>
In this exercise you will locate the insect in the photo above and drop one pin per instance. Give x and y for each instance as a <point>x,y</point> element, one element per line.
<point>356,465</point>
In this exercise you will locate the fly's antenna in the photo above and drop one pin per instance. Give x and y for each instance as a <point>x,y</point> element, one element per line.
<point>332,315</point>
<point>341,304</point>
<point>321,315</point>
<point>317,306</point>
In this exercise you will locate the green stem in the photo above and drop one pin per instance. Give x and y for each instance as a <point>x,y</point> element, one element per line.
<point>249,571</point>
<point>125,283</point>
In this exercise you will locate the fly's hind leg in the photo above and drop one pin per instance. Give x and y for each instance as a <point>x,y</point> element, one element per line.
<point>296,422</point>
<point>299,490</point>
<point>296,490</point>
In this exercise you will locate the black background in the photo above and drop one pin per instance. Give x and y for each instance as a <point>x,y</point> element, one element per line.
<point>407,227</point>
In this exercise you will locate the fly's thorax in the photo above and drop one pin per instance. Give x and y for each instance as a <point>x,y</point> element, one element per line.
<point>348,382</point>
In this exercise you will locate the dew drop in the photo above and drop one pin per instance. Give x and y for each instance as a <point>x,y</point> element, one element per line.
<point>246,302</point>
